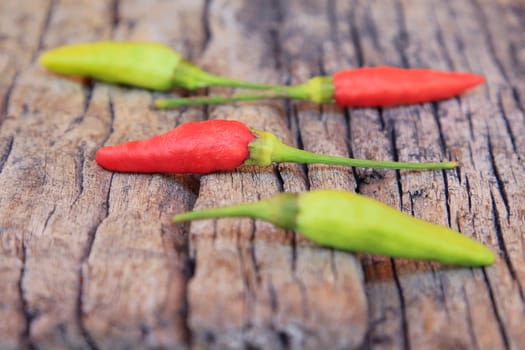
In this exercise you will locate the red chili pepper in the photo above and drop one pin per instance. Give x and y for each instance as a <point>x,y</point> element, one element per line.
<point>389,86</point>
<point>196,147</point>
<point>220,145</point>
<point>361,87</point>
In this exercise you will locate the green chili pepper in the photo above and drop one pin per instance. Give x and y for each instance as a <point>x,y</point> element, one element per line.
<point>349,221</point>
<point>148,65</point>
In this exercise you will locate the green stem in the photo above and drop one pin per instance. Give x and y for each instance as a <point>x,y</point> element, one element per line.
<point>211,100</point>
<point>285,153</point>
<point>251,210</point>
<point>216,80</point>
<point>317,90</point>
<point>280,210</point>
<point>188,76</point>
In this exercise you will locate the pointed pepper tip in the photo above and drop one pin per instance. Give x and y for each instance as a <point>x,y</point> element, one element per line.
<point>45,59</point>
<point>105,157</point>
<point>177,219</point>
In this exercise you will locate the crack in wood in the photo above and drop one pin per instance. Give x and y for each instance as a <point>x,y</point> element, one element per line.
<point>6,153</point>
<point>4,109</point>
<point>79,173</point>
<point>348,134</point>
<point>114,14</point>
<point>499,321</point>
<point>402,39</point>
<point>248,288</point>
<point>46,221</point>
<point>411,202</point>
<point>395,156</point>
<point>484,30</point>
<point>497,175</point>
<point>331,11</point>
<point>304,295</point>
<point>468,319</point>
<point>145,331</point>
<point>88,93</point>
<point>503,246</point>
<point>272,297</point>
<point>282,336</point>
<point>205,19</point>
<point>253,256</point>
<point>517,98</point>
<point>274,34</point>
<point>369,27</point>
<point>215,231</point>
<point>90,341</point>
<point>506,122</point>
<point>458,41</point>
<point>438,34</point>
<point>188,272</point>
<point>441,297</point>
<point>457,170</point>
<point>45,27</point>
<point>111,127</point>
<point>293,251</point>
<point>333,265</point>
<point>382,123</point>
<point>279,177</point>
<point>300,145</point>
<point>468,114</point>
<point>355,39</point>
<point>25,335</point>
<point>188,266</point>
<point>441,137</point>
<point>402,306</point>
<point>447,197</point>
<point>471,155</point>
<point>469,196</point>
<point>349,149</point>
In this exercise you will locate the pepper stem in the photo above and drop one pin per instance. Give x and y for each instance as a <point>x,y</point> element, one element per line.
<point>163,103</point>
<point>281,210</point>
<point>317,90</point>
<point>285,153</point>
<point>266,148</point>
<point>188,76</point>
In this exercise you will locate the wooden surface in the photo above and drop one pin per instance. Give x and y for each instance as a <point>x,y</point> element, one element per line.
<point>90,260</point>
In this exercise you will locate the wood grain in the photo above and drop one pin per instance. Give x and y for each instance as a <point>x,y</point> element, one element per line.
<point>90,260</point>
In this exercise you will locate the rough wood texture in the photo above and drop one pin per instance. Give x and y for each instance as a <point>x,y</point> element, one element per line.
<point>89,259</point>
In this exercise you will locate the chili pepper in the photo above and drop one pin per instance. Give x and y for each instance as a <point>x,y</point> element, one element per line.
<point>219,145</point>
<point>349,221</point>
<point>148,65</point>
<point>361,87</point>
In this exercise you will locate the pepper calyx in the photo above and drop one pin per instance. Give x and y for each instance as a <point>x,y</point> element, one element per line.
<point>317,89</point>
<point>261,148</point>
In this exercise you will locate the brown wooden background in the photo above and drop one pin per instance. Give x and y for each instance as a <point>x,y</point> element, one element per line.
<point>90,260</point>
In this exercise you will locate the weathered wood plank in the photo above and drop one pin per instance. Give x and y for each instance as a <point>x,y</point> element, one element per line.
<point>20,36</point>
<point>89,259</point>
